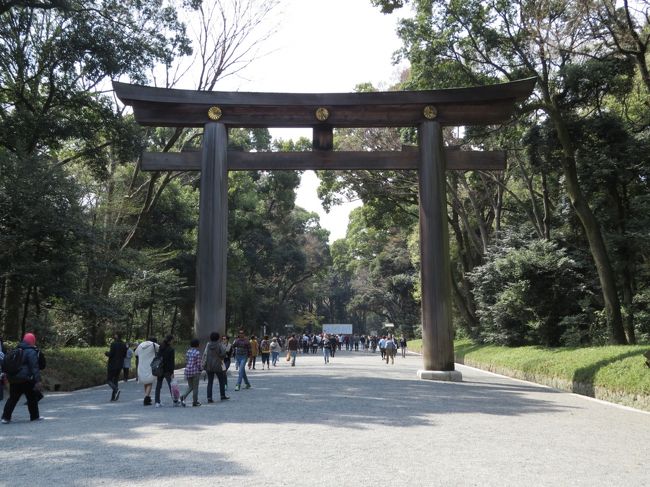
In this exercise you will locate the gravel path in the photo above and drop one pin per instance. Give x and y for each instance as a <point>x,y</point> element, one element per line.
<point>355,422</point>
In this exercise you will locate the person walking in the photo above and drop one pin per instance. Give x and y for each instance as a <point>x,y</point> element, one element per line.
<point>292,347</point>
<point>192,373</point>
<point>402,345</point>
<point>265,349</point>
<point>168,354</point>
<point>390,349</point>
<point>327,348</point>
<point>242,350</point>
<point>255,351</point>
<point>382,347</point>
<point>116,356</point>
<point>144,354</point>
<point>212,361</point>
<point>127,362</point>
<point>26,380</point>
<point>225,340</point>
<point>275,351</point>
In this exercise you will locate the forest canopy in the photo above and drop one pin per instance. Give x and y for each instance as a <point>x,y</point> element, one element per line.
<point>552,251</point>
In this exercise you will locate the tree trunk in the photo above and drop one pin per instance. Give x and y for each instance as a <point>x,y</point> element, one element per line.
<point>23,326</point>
<point>171,332</point>
<point>3,288</point>
<point>12,309</point>
<point>592,231</point>
<point>625,252</point>
<point>547,207</point>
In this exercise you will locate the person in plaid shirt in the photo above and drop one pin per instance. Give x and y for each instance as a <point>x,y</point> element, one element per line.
<point>192,373</point>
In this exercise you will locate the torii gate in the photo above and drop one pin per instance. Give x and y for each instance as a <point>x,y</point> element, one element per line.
<point>427,110</point>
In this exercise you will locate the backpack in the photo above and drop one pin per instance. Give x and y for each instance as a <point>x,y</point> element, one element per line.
<point>265,346</point>
<point>12,362</point>
<point>157,366</point>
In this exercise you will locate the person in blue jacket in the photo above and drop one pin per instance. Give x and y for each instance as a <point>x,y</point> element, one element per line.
<point>27,381</point>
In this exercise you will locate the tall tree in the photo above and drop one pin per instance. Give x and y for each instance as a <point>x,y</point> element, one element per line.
<point>476,42</point>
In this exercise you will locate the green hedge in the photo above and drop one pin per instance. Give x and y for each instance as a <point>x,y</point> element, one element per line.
<point>614,373</point>
<point>69,369</point>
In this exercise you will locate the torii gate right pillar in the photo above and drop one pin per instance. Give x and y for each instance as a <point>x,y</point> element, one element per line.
<point>435,269</point>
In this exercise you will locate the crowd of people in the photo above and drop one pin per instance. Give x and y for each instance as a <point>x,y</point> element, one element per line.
<point>155,363</point>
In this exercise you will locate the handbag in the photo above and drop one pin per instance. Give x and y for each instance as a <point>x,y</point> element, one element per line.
<point>176,392</point>
<point>157,366</point>
<point>288,356</point>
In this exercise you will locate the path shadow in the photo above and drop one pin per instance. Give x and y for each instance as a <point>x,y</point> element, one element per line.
<point>583,378</point>
<point>86,434</point>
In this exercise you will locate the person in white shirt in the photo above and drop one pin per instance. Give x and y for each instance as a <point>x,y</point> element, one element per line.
<point>144,354</point>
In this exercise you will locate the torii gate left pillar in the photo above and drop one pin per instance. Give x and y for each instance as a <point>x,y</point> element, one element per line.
<point>210,303</point>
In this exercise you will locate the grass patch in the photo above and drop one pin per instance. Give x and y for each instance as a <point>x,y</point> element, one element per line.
<point>615,373</point>
<point>69,369</point>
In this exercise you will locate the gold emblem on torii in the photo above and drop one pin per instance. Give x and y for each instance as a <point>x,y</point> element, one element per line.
<point>430,112</point>
<point>322,114</point>
<point>214,113</point>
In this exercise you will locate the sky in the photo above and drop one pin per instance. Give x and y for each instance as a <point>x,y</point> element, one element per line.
<point>323,46</point>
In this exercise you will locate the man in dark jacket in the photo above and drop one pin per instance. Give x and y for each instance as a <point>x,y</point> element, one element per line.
<point>115,356</point>
<point>27,381</point>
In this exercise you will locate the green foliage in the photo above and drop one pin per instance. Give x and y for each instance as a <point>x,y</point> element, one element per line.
<point>523,291</point>
<point>277,254</point>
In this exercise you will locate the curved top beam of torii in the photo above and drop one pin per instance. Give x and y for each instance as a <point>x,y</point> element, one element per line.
<point>480,105</point>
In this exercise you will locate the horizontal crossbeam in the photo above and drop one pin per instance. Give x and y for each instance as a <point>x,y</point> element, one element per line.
<point>319,160</point>
<point>476,105</point>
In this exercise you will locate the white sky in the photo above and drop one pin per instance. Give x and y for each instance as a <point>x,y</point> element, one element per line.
<point>323,46</point>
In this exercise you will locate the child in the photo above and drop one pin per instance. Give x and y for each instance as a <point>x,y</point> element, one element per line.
<point>127,362</point>
<point>192,373</point>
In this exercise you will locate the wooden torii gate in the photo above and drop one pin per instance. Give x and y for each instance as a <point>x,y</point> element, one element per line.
<point>429,111</point>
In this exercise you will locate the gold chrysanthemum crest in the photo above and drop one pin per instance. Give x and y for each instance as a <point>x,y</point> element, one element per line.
<point>322,114</point>
<point>430,112</point>
<point>214,113</point>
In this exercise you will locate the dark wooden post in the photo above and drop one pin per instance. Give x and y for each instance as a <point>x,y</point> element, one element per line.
<point>437,338</point>
<point>210,304</point>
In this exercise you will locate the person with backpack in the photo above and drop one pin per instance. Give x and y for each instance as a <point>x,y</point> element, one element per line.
<point>390,349</point>
<point>21,367</point>
<point>168,355</point>
<point>115,355</point>
<point>213,356</point>
<point>265,349</point>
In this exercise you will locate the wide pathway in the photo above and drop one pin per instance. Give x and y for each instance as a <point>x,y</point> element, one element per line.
<point>355,422</point>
